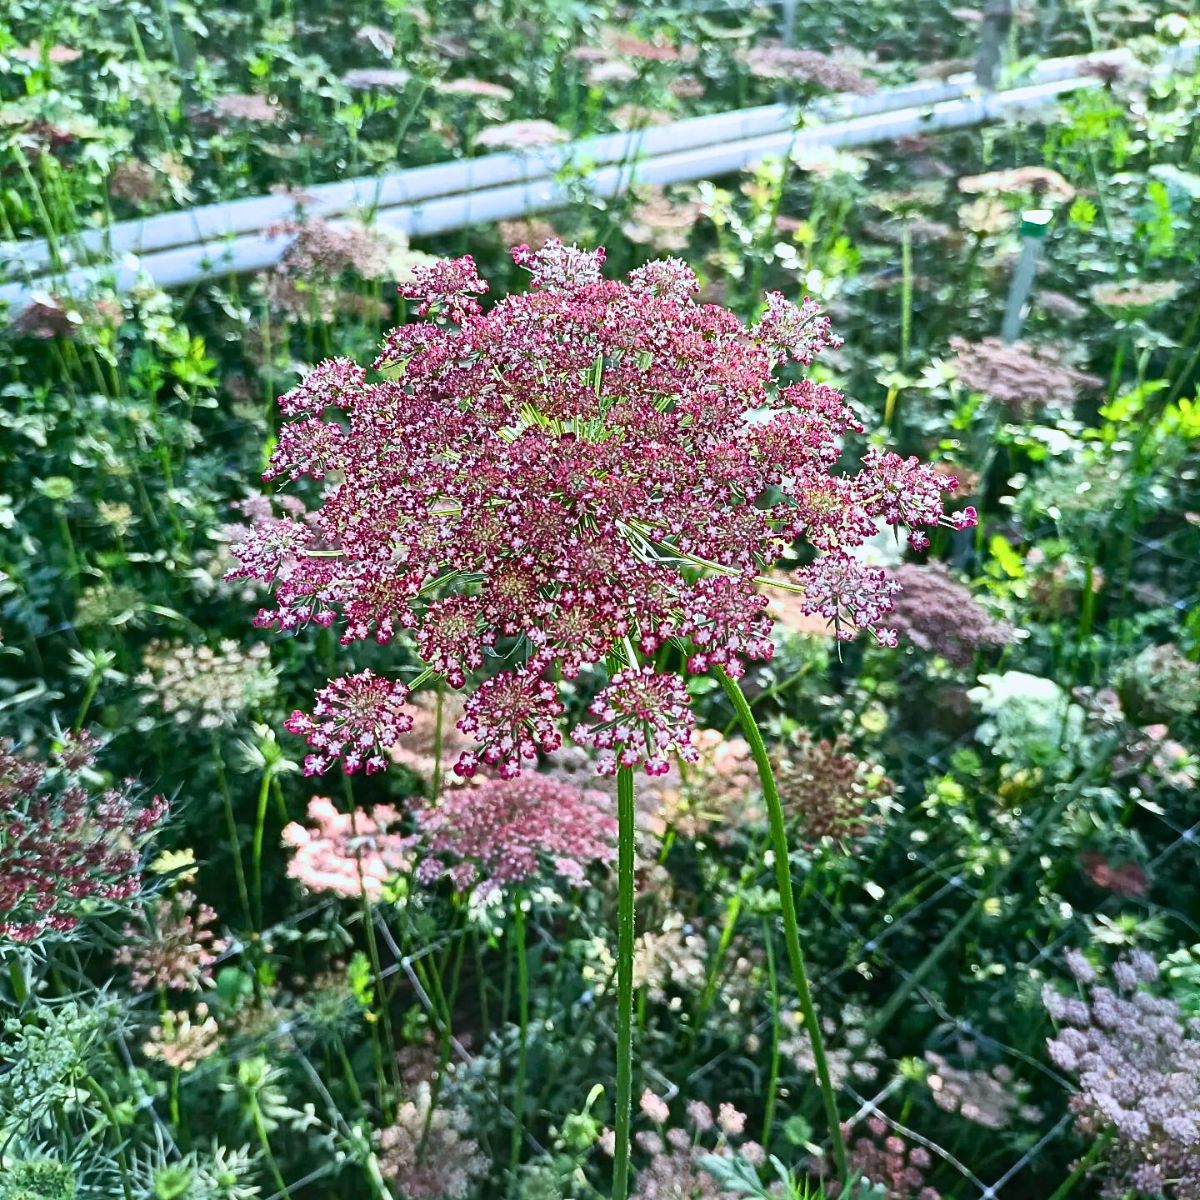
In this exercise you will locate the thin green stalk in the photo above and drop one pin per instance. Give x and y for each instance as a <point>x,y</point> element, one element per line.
<point>787,901</point>
<point>1082,1167</point>
<point>260,1127</point>
<point>260,821</point>
<point>386,1102</point>
<point>235,848</point>
<point>518,1126</point>
<point>906,292</point>
<point>89,695</point>
<point>625,919</point>
<point>438,737</point>
<point>773,1083</point>
<point>110,1115</point>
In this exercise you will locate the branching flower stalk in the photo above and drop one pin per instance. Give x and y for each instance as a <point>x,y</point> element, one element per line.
<point>593,477</point>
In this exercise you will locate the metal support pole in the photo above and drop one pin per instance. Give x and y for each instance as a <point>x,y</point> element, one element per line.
<point>1034,224</point>
<point>993,33</point>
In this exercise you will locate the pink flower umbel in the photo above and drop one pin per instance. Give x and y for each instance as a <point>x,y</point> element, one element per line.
<point>355,719</point>
<point>352,854</point>
<point>566,483</point>
<point>499,833</point>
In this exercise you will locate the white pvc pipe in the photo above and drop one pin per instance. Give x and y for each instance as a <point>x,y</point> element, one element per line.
<point>252,251</point>
<point>214,221</point>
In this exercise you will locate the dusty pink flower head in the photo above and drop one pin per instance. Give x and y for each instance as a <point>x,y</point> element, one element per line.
<point>175,949</point>
<point>566,482</point>
<point>500,832</point>
<point>349,853</point>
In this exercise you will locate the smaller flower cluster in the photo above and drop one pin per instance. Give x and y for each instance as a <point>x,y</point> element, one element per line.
<point>498,833</point>
<point>1017,376</point>
<point>992,1098</point>
<point>886,1160</point>
<point>678,1162</point>
<point>356,718</point>
<point>1137,1060</point>
<point>641,714</point>
<point>183,1040</point>
<point>178,950</point>
<point>64,847</point>
<point>351,854</point>
<point>206,687</point>
<point>851,1054</point>
<point>827,790</point>
<point>428,1155</point>
<point>769,61</point>
<point>1159,684</point>
<point>939,614</point>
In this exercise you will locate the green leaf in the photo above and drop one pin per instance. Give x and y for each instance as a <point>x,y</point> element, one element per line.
<point>1006,556</point>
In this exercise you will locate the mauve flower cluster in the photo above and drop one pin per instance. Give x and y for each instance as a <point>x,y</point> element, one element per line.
<point>939,614</point>
<point>674,1168</point>
<point>769,61</point>
<point>177,951</point>
<point>1022,378</point>
<point>828,791</point>
<point>304,283</point>
<point>885,1160</point>
<point>567,479</point>
<point>498,833</point>
<point>988,1098</point>
<point>64,847</point>
<point>429,1156</point>
<point>347,853</point>
<point>1137,1060</point>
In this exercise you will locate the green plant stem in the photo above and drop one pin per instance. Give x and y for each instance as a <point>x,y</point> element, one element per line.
<point>260,821</point>
<point>625,929</point>
<point>88,696</point>
<point>1082,1167</point>
<point>773,1084</point>
<point>386,1102</point>
<point>787,902</point>
<point>906,293</point>
<point>110,1115</point>
<point>260,1128</point>
<point>235,848</point>
<point>519,947</point>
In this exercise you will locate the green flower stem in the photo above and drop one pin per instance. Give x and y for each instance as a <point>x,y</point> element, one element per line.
<point>260,821</point>
<point>787,901</point>
<point>773,1085</point>
<point>1082,1167</point>
<point>386,1102</point>
<point>625,916</point>
<point>260,1127</point>
<point>519,948</point>
<point>235,849</point>
<point>114,1124</point>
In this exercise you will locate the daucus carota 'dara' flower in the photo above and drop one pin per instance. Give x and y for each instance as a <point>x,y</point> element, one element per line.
<point>570,480</point>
